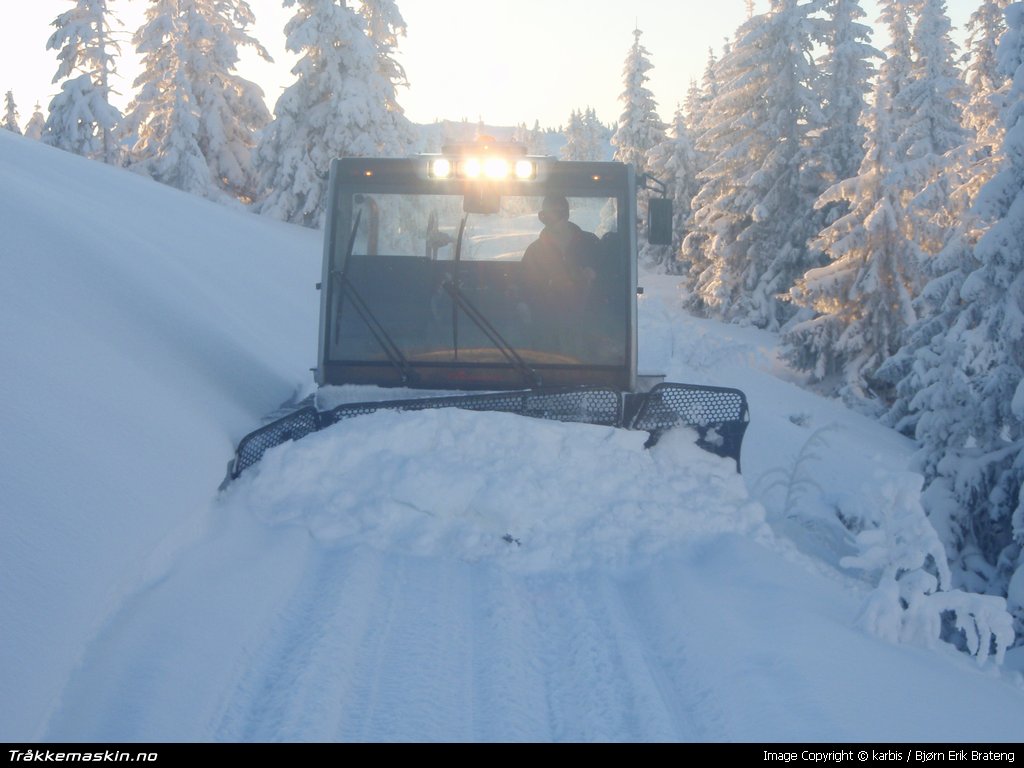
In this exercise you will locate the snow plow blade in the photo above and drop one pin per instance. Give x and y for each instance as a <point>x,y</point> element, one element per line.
<point>719,415</point>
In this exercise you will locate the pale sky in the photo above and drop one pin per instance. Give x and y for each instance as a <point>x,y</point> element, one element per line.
<point>504,62</point>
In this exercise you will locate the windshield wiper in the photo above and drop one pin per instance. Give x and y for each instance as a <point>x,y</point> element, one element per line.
<point>380,335</point>
<point>459,301</point>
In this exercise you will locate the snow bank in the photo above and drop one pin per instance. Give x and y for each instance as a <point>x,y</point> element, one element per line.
<point>526,493</point>
<point>144,332</point>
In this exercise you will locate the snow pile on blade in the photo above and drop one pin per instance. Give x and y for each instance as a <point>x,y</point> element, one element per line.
<point>531,494</point>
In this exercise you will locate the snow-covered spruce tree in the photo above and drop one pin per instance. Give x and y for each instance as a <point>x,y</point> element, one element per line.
<point>674,161</point>
<point>748,243</point>
<point>36,124</point>
<point>337,107</point>
<point>521,135</point>
<point>985,83</point>
<point>585,137</point>
<point>698,119</point>
<point>926,380</point>
<point>384,26</point>
<point>81,118</point>
<point>700,96</point>
<point>639,128</point>
<point>720,140</point>
<point>598,135</point>
<point>693,106</point>
<point>932,100</point>
<point>192,112</point>
<point>168,143</point>
<point>863,299</point>
<point>10,121</point>
<point>846,74</point>
<point>924,369</point>
<point>974,449</point>
<point>162,121</point>
<point>531,138</point>
<point>573,147</point>
<point>709,80</point>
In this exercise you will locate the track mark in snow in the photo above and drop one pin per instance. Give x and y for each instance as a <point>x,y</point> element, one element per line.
<point>293,689</point>
<point>415,682</point>
<point>654,607</point>
<point>508,675</point>
<point>694,615</point>
<point>598,689</point>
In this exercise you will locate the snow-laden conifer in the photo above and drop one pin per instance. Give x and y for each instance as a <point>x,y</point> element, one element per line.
<point>721,143</point>
<point>598,135</point>
<point>192,109</point>
<point>384,26</point>
<point>700,96</point>
<point>709,80</point>
<point>699,118</point>
<point>573,147</point>
<point>674,162</point>
<point>928,383</point>
<point>847,71</point>
<point>932,101</point>
<point>531,138</point>
<point>863,298</point>
<point>81,118</point>
<point>639,128</point>
<point>751,217</point>
<point>693,107</point>
<point>585,137</point>
<point>36,124</point>
<point>985,84</point>
<point>973,448</point>
<point>337,107</point>
<point>10,121</point>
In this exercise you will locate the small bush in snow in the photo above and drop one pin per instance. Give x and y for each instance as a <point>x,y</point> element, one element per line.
<point>913,596</point>
<point>799,478</point>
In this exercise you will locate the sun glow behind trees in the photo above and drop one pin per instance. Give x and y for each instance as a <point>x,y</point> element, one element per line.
<point>471,77</point>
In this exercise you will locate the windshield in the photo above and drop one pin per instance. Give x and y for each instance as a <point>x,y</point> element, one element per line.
<point>540,282</point>
<point>427,225</point>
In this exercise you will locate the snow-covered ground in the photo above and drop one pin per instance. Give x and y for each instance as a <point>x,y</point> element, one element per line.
<point>432,576</point>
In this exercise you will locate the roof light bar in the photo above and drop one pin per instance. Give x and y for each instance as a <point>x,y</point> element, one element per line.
<point>485,159</point>
<point>489,168</point>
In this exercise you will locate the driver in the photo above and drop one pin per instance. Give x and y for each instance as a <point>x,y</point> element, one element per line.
<point>559,269</point>
<point>563,257</point>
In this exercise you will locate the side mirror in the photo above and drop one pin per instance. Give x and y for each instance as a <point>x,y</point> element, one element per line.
<point>659,221</point>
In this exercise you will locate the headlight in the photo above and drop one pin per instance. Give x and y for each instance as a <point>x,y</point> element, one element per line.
<point>525,170</point>
<point>496,168</point>
<point>472,168</point>
<point>441,168</point>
